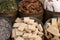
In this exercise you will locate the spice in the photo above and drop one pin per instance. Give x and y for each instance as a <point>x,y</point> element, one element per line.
<point>7,5</point>
<point>30,7</point>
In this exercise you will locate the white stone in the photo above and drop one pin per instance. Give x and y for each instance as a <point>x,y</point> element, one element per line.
<point>26,19</point>
<point>31,27</point>
<point>40,27</point>
<point>19,33</point>
<point>16,25</point>
<point>13,33</point>
<point>18,20</point>
<point>19,38</point>
<point>54,31</point>
<point>38,38</point>
<point>56,5</point>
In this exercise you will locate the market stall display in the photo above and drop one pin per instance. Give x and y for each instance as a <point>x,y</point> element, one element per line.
<point>31,8</point>
<point>22,19</point>
<point>27,28</point>
<point>52,29</point>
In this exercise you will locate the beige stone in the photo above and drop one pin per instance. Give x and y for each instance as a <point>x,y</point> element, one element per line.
<point>31,27</point>
<point>31,39</point>
<point>40,34</point>
<point>54,22</point>
<point>25,35</point>
<point>19,38</point>
<point>38,38</point>
<point>40,27</point>
<point>54,31</point>
<point>26,19</point>
<point>58,20</point>
<point>13,33</point>
<point>35,24</point>
<point>31,21</point>
<point>19,33</point>
<point>22,26</point>
<point>33,36</point>
<point>36,31</point>
<point>18,20</point>
<point>16,25</point>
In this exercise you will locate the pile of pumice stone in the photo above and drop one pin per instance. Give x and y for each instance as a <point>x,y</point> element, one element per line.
<point>52,5</point>
<point>5,28</point>
<point>27,29</point>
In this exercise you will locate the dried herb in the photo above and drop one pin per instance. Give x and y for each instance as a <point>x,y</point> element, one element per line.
<point>7,5</point>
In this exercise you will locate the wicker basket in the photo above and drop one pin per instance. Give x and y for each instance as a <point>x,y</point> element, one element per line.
<point>36,20</point>
<point>51,10</point>
<point>48,14</point>
<point>8,8</point>
<point>11,15</point>
<point>48,35</point>
<point>37,15</point>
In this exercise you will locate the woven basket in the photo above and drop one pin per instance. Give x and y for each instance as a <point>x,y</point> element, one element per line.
<point>48,35</point>
<point>48,14</point>
<point>38,15</point>
<point>11,15</point>
<point>8,8</point>
<point>36,20</point>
